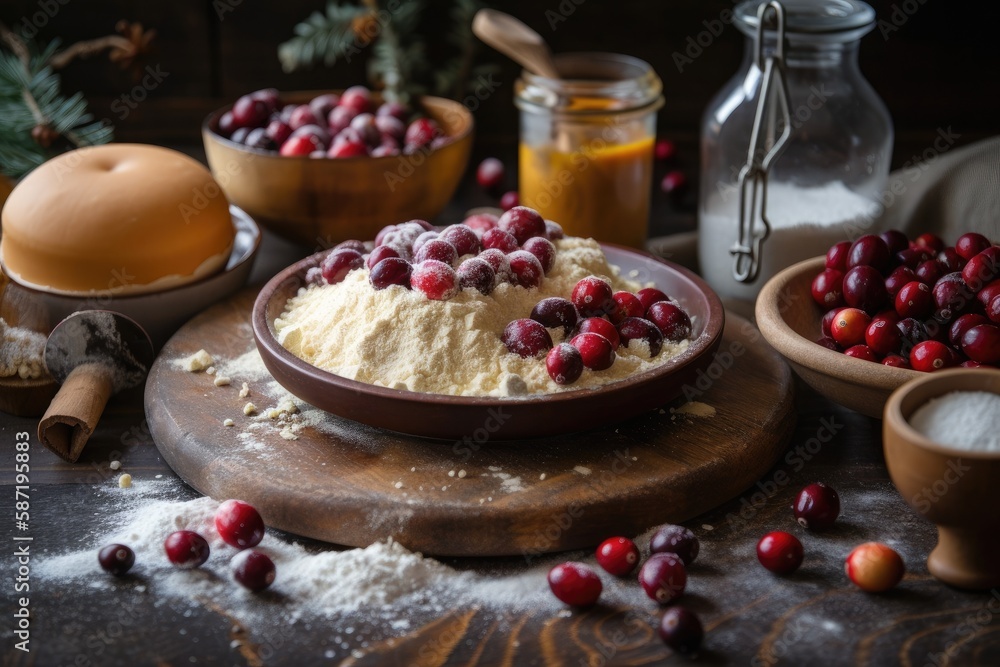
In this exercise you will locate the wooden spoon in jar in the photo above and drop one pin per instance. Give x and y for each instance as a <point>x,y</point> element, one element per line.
<point>517,41</point>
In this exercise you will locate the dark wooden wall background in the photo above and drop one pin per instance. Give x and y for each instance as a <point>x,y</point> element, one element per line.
<point>940,68</point>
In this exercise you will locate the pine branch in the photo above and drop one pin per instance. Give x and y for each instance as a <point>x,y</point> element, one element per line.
<point>322,38</point>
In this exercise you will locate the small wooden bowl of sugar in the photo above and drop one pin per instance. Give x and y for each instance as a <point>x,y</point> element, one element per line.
<point>941,434</point>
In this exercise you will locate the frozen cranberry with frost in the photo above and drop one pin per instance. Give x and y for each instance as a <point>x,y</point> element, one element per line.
<point>239,524</point>
<point>896,361</point>
<point>971,244</point>
<point>564,364</point>
<point>477,274</point>
<point>350,244</point>
<point>982,343</point>
<point>828,343</point>
<point>780,552</point>
<point>434,279</point>
<point>424,238</point>
<point>849,326</point>
<point>673,322</point>
<point>357,98</point>
<point>186,549</point>
<point>339,263</point>
<point>915,299</point>
<point>420,133</point>
<point>249,112</point>
<point>882,336</point>
<point>816,506</point>
<point>930,271</point>
<point>628,305</point>
<point>864,288</point>
<point>554,312</point>
<point>931,355</point>
<point>836,256</point>
<point>575,584</point>
<point>526,338</point>
<point>982,268</point>
<point>462,238</point>
<point>874,567</point>
<point>116,559</point>
<point>599,325</point>
<point>253,570</point>
<point>899,277</point>
<point>382,233</point>
<point>861,351</point>
<point>951,296</point>
<point>677,540</point>
<point>380,253</point>
<point>593,296</point>
<point>597,352</point>
<point>543,249</point>
<point>617,555</point>
<point>322,105</point>
<point>436,249</point>
<point>648,296</point>
<point>554,231</point>
<point>497,259</point>
<point>481,223</point>
<point>390,271</point>
<point>931,242</point>
<point>681,630</point>
<point>869,250</point>
<point>828,288</point>
<point>663,577</point>
<point>340,119</point>
<point>895,240</point>
<point>300,146</point>
<point>522,223</point>
<point>489,173</point>
<point>525,269</point>
<point>510,200</point>
<point>500,239</point>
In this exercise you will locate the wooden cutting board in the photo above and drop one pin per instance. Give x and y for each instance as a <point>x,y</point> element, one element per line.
<point>352,484</point>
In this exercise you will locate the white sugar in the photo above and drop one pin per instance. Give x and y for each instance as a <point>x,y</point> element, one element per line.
<point>965,420</point>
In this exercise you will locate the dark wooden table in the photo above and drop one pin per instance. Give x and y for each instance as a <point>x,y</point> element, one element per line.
<point>814,616</point>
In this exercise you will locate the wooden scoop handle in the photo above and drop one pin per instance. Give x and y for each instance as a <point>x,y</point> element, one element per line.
<point>74,412</point>
<point>515,40</point>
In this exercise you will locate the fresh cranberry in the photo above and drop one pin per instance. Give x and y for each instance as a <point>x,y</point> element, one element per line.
<point>969,363</point>
<point>564,364</point>
<point>357,98</point>
<point>420,133</point>
<point>874,567</point>
<point>663,577</point>
<point>380,253</point>
<point>526,338</point>
<point>951,296</point>
<point>677,540</point>
<point>525,269</point>
<point>950,260</point>
<point>489,174</point>
<point>849,326</point>
<point>836,256</point>
<point>575,584</point>
<point>617,555</point>
<point>322,105</point>
<point>882,336</point>
<point>248,112</point>
<point>895,240</point>
<point>462,238</point>
<point>302,116</point>
<point>828,343</point>
<point>993,309</point>
<point>389,127</point>
<point>599,325</point>
<point>988,292</point>
<point>553,312</point>
<point>982,268</point>
<point>597,351</point>
<point>627,305</point>
<point>522,223</point>
<point>392,110</point>
<point>339,263</point>
<point>436,249</point>
<point>258,139</point>
<point>861,351</point>
<point>481,223</point>
<point>929,241</point>
<point>912,332</point>
<point>543,249</point>
<point>477,274</point>
<point>930,271</point>
<point>971,244</point>
<point>253,570</point>
<point>673,322</point>
<point>391,271</point>
<point>300,146</point>
<point>674,182</point>
<point>319,134</point>
<point>931,355</point>
<point>896,361</point>
<point>780,552</point>
<point>434,279</point>
<point>593,296</point>
<point>278,131</point>
<point>817,506</point>
<point>664,150</point>
<point>239,524</point>
<point>497,259</point>
<point>637,328</point>
<point>340,119</point>
<point>915,299</point>
<point>864,288</point>
<point>828,288</point>
<point>913,257</point>
<point>827,320</point>
<point>648,296</point>
<point>344,148</point>
<point>240,135</point>
<point>116,559</point>
<point>982,343</point>
<point>364,125</point>
<point>869,250</point>
<point>681,630</point>
<point>510,200</point>
<point>186,549</point>
<point>226,124</point>
<point>899,277</point>
<point>963,324</point>
<point>501,240</point>
<point>554,231</point>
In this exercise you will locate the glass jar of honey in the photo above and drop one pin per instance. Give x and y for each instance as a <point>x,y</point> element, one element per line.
<point>586,147</point>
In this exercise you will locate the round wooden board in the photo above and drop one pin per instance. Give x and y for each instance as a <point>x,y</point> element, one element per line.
<point>352,484</point>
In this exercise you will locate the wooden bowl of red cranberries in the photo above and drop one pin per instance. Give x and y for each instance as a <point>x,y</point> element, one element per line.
<point>873,313</point>
<point>322,167</point>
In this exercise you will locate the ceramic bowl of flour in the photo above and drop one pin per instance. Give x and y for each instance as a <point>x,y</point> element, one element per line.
<point>789,319</point>
<point>456,417</point>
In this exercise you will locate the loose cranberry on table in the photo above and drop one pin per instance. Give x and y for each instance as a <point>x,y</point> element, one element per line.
<point>874,567</point>
<point>674,182</point>
<point>554,311</point>
<point>780,552</point>
<point>564,364</point>
<point>186,549</point>
<point>489,174</point>
<point>597,352</point>
<point>522,223</point>
<point>477,274</point>
<point>664,150</point>
<point>676,540</point>
<point>637,328</point>
<point>817,506</point>
<point>617,555</point>
<point>462,238</point>
<point>391,271</point>
<point>601,326</point>
<point>526,338</point>
<point>116,559</point>
<point>593,296</point>
<point>525,269</point>
<point>434,279</point>
<point>673,322</point>
<point>510,200</point>
<point>663,577</point>
<point>239,524</point>
<point>543,249</point>
<point>339,263</point>
<point>253,570</point>
<point>575,584</point>
<point>681,630</point>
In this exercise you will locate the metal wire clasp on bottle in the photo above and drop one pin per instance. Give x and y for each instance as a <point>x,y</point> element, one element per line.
<point>772,113</point>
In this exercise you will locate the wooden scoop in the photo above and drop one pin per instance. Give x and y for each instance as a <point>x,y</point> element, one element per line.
<point>93,354</point>
<point>515,40</point>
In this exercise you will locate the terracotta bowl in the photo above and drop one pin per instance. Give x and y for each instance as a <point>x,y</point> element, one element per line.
<point>455,417</point>
<point>320,202</point>
<point>950,487</point>
<point>790,321</point>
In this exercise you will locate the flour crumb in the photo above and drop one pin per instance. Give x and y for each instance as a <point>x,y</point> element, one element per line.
<point>228,422</point>
<point>542,477</point>
<point>249,409</point>
<point>288,433</point>
<point>451,473</point>
<point>695,409</point>
<point>22,352</point>
<point>210,370</point>
<point>706,526</point>
<point>125,481</point>
<point>461,474</point>
<point>398,485</point>
<point>662,411</point>
<point>115,465</point>
<point>583,470</point>
<point>198,361</point>
<point>244,390</point>
<point>222,381</point>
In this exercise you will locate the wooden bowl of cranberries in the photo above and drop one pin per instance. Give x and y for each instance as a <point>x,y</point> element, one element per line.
<point>320,168</point>
<point>874,313</point>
